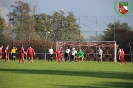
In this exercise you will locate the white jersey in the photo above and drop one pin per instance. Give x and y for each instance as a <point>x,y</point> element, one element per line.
<point>67,50</point>
<point>51,51</point>
<point>119,51</point>
<point>100,51</point>
<point>74,52</point>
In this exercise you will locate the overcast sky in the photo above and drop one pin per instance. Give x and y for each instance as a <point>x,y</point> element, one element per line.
<point>98,13</point>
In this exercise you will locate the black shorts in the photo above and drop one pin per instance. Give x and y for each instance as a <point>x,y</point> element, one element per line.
<point>13,55</point>
<point>72,56</point>
<point>99,55</point>
<point>66,55</point>
<point>51,55</point>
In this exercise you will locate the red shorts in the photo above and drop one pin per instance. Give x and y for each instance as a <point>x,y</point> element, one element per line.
<point>58,57</point>
<point>6,54</point>
<point>0,53</point>
<point>21,55</point>
<point>30,55</point>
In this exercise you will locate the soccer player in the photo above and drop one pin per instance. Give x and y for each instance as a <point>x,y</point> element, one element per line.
<point>67,54</point>
<point>100,52</point>
<point>30,52</point>
<point>58,55</point>
<point>1,52</point>
<point>6,53</point>
<point>22,52</point>
<point>80,55</point>
<point>73,53</point>
<point>13,53</point>
<point>119,53</point>
<point>51,52</point>
<point>122,56</point>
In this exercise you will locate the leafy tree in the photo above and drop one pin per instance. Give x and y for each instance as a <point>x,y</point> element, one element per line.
<point>59,26</point>
<point>46,28</point>
<point>2,25</point>
<point>123,34</point>
<point>22,18</point>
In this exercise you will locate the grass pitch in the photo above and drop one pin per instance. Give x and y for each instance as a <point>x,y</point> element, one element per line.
<point>43,74</point>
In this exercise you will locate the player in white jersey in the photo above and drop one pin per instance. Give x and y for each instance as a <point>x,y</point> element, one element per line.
<point>51,52</point>
<point>73,53</point>
<point>67,54</point>
<point>100,52</point>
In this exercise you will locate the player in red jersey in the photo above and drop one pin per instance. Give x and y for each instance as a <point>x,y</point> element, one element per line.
<point>22,52</point>
<point>1,52</point>
<point>58,55</point>
<point>122,56</point>
<point>30,52</point>
<point>6,53</point>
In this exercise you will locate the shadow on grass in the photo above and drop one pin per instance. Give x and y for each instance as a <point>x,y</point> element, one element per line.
<point>98,74</point>
<point>103,85</point>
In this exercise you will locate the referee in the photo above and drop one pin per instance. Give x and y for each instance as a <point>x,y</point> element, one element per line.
<point>13,53</point>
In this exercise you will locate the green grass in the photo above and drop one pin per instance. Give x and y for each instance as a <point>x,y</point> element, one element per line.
<point>43,74</point>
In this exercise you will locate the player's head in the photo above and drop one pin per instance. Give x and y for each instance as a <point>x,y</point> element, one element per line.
<point>29,45</point>
<point>7,46</point>
<point>73,48</point>
<point>21,45</point>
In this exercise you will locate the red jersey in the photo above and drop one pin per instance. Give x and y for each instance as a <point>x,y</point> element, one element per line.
<point>0,52</point>
<point>30,50</point>
<point>21,50</point>
<point>58,52</point>
<point>0,49</point>
<point>122,54</point>
<point>6,51</point>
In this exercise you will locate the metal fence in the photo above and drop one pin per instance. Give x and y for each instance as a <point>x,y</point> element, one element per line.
<point>91,27</point>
